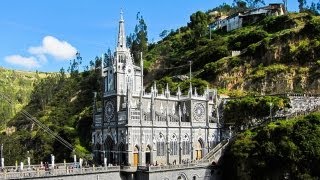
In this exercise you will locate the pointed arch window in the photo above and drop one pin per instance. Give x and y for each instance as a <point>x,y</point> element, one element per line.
<point>160,146</point>
<point>186,145</point>
<point>174,145</point>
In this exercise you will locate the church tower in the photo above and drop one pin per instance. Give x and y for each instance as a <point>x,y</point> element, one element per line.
<point>121,81</point>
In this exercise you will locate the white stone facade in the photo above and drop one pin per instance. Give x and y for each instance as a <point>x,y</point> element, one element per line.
<point>138,128</point>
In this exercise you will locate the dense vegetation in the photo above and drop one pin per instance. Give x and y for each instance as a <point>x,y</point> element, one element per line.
<point>278,54</point>
<point>17,86</point>
<point>280,150</point>
<point>64,104</point>
<point>246,110</point>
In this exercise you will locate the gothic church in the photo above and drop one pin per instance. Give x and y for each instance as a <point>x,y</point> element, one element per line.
<point>138,128</point>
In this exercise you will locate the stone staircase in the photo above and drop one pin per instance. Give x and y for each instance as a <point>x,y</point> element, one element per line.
<point>215,154</point>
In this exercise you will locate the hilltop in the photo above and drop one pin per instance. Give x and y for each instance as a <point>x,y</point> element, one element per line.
<point>277,54</point>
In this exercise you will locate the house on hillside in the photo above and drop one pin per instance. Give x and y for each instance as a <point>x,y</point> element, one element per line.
<point>238,20</point>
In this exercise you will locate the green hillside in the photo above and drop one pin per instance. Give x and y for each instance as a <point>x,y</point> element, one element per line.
<point>18,86</point>
<point>64,104</point>
<point>278,54</point>
<point>286,149</point>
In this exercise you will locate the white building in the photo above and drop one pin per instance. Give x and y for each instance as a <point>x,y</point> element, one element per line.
<point>237,20</point>
<point>139,128</point>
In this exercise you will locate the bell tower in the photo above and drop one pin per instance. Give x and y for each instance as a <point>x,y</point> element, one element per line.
<point>123,62</point>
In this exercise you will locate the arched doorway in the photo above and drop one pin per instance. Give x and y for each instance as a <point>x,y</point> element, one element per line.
<point>109,150</point>
<point>135,156</point>
<point>122,154</point>
<point>199,147</point>
<point>148,155</point>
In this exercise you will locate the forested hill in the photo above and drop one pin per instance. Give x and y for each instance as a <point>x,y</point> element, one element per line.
<point>18,86</point>
<point>62,102</point>
<point>278,54</point>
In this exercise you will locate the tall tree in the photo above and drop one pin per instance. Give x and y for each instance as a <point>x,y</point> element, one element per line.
<point>199,23</point>
<point>302,4</point>
<point>138,41</point>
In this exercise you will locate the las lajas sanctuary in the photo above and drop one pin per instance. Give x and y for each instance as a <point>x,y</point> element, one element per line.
<point>138,128</point>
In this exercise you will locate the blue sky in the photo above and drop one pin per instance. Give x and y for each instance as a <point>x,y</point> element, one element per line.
<point>44,35</point>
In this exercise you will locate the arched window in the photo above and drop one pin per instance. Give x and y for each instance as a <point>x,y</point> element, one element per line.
<point>160,146</point>
<point>185,145</point>
<point>173,146</point>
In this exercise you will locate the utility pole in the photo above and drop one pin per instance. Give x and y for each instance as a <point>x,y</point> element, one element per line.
<point>1,157</point>
<point>190,71</point>
<point>271,111</point>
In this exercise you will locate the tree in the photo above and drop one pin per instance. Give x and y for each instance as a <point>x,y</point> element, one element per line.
<point>199,23</point>
<point>138,41</point>
<point>302,4</point>
<point>249,3</point>
<point>163,34</point>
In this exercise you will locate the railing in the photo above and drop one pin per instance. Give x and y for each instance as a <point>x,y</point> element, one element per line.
<point>171,167</point>
<point>215,153</point>
<point>66,170</point>
<point>185,123</point>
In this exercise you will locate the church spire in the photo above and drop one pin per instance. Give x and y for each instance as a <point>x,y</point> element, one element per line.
<point>121,35</point>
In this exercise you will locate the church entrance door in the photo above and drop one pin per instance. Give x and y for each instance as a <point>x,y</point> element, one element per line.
<point>199,148</point>
<point>136,156</point>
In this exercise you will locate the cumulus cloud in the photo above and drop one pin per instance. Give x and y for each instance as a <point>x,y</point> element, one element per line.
<point>28,62</point>
<point>60,50</point>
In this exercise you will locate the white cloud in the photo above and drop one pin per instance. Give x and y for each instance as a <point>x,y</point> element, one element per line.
<point>60,50</point>
<point>28,62</point>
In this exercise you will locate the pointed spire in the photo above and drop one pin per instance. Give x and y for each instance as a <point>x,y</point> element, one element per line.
<point>195,92</point>
<point>206,93</point>
<point>179,92</point>
<point>180,114</point>
<point>167,93</point>
<point>190,90</point>
<point>155,89</point>
<point>121,35</point>
<point>102,66</point>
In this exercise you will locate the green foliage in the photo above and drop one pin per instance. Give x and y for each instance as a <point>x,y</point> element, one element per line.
<point>239,111</point>
<point>287,147</point>
<point>245,37</point>
<point>17,86</point>
<point>274,24</point>
<point>64,104</point>
<point>138,41</point>
<point>199,23</point>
